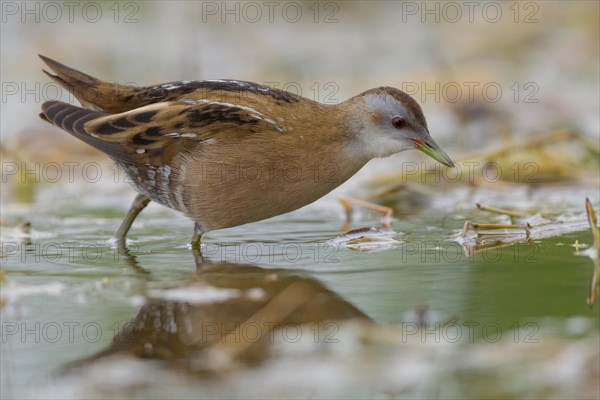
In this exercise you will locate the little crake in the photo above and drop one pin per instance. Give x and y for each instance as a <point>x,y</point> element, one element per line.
<point>229,152</point>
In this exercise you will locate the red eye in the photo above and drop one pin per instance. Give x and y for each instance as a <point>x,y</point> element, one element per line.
<point>398,122</point>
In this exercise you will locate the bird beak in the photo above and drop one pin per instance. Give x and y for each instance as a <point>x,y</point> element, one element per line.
<point>434,151</point>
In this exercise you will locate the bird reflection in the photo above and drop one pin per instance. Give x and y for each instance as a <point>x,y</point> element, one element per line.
<point>226,314</point>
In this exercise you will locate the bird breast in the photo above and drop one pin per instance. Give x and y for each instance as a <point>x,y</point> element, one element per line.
<point>218,190</point>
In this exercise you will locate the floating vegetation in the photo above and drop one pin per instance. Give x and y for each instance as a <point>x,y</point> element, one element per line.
<point>476,237</point>
<point>367,239</point>
<point>558,156</point>
<point>348,202</point>
<point>594,253</point>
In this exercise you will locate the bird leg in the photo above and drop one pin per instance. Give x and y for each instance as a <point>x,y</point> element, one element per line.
<point>129,257</point>
<point>139,203</point>
<point>198,231</point>
<point>198,257</point>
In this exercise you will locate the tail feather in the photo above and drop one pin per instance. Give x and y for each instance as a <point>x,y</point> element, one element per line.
<point>67,75</point>
<point>73,119</point>
<point>92,93</point>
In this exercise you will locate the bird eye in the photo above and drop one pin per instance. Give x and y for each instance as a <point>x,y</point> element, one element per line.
<point>398,122</point>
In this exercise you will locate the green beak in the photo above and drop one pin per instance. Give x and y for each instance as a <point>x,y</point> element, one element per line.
<point>434,151</point>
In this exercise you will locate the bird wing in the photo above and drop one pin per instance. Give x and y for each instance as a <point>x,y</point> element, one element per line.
<point>154,134</point>
<point>113,98</point>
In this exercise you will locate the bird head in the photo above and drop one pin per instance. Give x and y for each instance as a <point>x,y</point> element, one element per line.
<point>389,121</point>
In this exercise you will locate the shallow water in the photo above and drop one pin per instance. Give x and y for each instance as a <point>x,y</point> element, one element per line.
<point>286,308</point>
<point>70,291</point>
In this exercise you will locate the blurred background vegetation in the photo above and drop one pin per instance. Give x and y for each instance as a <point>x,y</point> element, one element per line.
<point>514,85</point>
<point>484,73</point>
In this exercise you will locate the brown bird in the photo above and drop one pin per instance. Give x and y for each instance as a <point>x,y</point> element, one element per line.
<point>230,152</point>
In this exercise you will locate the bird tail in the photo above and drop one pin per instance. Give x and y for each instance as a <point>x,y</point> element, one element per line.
<point>73,119</point>
<point>92,93</point>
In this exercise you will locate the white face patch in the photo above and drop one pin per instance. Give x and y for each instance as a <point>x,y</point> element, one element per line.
<point>378,137</point>
<point>377,144</point>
